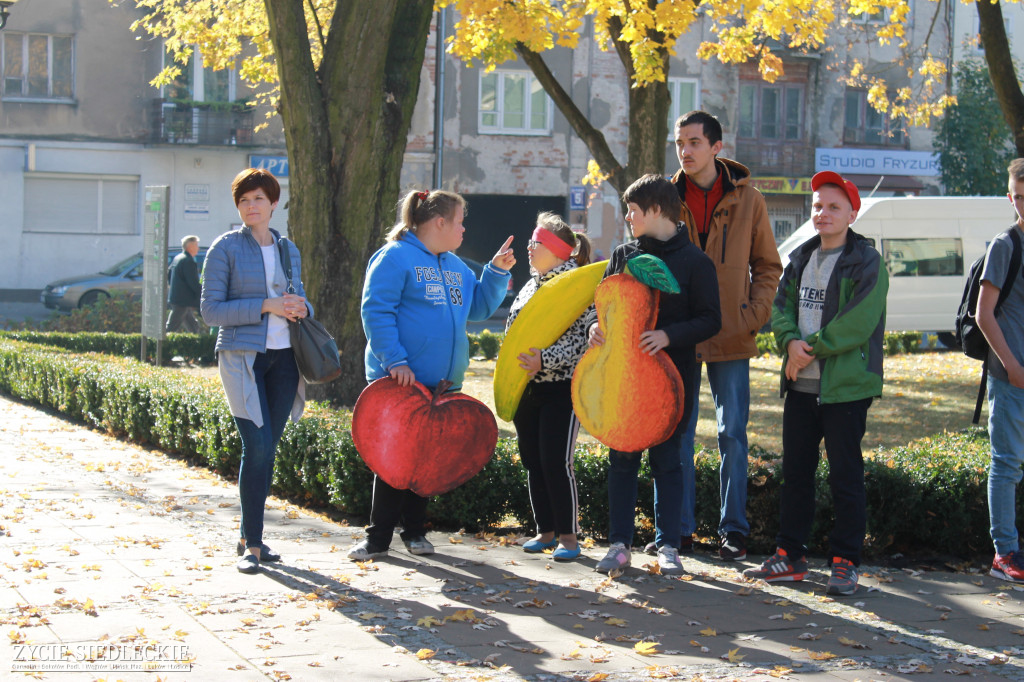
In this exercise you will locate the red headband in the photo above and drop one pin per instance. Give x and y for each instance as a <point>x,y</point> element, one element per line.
<point>555,245</point>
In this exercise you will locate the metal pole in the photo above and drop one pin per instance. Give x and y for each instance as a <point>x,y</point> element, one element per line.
<point>439,100</point>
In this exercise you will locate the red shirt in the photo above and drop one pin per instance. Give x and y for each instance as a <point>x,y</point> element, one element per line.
<point>702,204</point>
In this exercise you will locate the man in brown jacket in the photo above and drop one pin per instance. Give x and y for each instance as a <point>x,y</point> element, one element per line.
<point>728,219</point>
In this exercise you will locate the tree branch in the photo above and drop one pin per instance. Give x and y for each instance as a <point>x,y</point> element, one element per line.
<point>591,136</point>
<point>319,26</point>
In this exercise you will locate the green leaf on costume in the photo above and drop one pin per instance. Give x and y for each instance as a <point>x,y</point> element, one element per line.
<point>653,272</point>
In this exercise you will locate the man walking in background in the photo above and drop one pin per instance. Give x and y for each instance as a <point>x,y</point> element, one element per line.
<point>185,288</point>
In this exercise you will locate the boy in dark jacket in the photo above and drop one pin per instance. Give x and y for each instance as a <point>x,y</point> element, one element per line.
<point>684,320</point>
<point>828,319</point>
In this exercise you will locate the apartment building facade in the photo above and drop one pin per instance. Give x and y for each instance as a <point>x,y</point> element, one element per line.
<point>82,133</point>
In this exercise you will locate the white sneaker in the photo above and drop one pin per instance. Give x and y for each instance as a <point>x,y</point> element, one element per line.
<point>363,551</point>
<point>668,561</point>
<point>420,546</point>
<point>617,558</point>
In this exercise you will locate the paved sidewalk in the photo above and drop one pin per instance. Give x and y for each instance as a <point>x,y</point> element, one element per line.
<point>105,546</point>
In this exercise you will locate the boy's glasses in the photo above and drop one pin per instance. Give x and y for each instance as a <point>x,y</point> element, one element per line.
<point>532,244</point>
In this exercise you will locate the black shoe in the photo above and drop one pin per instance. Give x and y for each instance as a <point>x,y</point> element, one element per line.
<point>685,547</point>
<point>267,555</point>
<point>248,564</point>
<point>734,547</point>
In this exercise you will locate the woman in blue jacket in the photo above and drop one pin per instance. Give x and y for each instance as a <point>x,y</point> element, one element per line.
<point>417,297</point>
<point>244,293</point>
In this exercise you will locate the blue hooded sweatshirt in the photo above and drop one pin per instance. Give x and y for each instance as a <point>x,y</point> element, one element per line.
<point>415,307</point>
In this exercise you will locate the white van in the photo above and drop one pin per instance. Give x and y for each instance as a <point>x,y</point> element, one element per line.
<point>927,245</point>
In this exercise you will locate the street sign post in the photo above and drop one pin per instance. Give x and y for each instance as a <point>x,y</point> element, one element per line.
<point>154,267</point>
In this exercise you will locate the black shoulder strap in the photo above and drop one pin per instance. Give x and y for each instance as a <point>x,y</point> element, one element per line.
<point>286,262</point>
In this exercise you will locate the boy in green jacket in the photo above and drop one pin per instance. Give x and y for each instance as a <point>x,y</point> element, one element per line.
<point>828,318</point>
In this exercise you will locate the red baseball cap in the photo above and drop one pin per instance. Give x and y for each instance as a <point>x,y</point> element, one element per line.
<point>833,178</point>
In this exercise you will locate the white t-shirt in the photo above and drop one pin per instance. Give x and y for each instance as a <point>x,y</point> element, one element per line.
<point>277,328</point>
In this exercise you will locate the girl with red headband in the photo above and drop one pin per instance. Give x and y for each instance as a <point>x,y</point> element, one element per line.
<point>546,425</point>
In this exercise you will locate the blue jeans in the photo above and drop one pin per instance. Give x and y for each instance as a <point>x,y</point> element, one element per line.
<point>667,472</point>
<point>277,379</point>
<point>1006,434</point>
<point>730,389</point>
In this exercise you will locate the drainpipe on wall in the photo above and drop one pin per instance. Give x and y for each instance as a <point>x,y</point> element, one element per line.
<point>439,100</point>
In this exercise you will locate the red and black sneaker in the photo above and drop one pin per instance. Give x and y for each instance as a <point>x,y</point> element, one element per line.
<point>778,568</point>
<point>1009,566</point>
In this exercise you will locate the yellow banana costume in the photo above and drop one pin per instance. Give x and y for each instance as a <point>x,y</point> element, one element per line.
<point>544,318</point>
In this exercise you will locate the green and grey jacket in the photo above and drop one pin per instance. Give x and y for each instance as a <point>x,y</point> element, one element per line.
<point>849,344</point>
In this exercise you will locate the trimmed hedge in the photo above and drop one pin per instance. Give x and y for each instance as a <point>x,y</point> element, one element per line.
<point>893,343</point>
<point>930,496</point>
<point>191,347</point>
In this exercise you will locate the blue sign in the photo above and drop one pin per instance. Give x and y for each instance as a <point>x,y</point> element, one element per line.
<point>577,198</point>
<point>278,165</point>
<point>876,161</point>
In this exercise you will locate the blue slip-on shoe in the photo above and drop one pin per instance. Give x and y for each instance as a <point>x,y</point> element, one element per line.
<point>536,546</point>
<point>563,554</point>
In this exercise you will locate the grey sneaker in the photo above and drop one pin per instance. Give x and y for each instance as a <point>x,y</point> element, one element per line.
<point>844,577</point>
<point>364,551</point>
<point>668,561</point>
<point>778,567</point>
<point>617,558</point>
<point>419,545</point>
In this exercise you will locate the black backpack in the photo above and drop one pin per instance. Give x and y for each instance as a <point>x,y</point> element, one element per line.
<point>966,330</point>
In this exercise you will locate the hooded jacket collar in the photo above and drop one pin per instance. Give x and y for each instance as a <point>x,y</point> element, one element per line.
<point>851,252</point>
<point>656,246</point>
<point>733,174</point>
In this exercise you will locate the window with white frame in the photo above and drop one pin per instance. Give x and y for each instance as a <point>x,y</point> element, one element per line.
<point>88,204</point>
<point>771,111</point>
<point>871,17</point>
<point>513,103</point>
<point>685,96</point>
<point>200,83</point>
<point>863,125</point>
<point>37,66</point>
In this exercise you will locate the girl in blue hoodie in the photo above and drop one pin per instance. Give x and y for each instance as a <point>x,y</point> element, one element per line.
<point>417,298</point>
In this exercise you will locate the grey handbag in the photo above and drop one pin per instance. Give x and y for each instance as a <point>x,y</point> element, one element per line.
<point>316,353</point>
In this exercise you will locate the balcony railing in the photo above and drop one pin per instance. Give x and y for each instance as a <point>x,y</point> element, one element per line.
<point>770,157</point>
<point>211,123</point>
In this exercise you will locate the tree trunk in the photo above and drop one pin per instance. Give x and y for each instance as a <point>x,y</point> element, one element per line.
<point>345,129</point>
<point>1000,69</point>
<point>648,110</point>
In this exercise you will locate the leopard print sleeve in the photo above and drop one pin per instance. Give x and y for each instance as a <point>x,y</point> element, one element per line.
<point>558,361</point>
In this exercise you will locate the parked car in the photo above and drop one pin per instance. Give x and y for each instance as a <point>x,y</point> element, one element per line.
<point>478,270</point>
<point>84,290</point>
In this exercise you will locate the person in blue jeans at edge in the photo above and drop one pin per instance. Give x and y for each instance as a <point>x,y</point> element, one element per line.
<point>245,294</point>
<point>1005,335</point>
<point>728,220</point>
<point>417,297</point>
<point>684,319</point>
<point>829,322</point>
